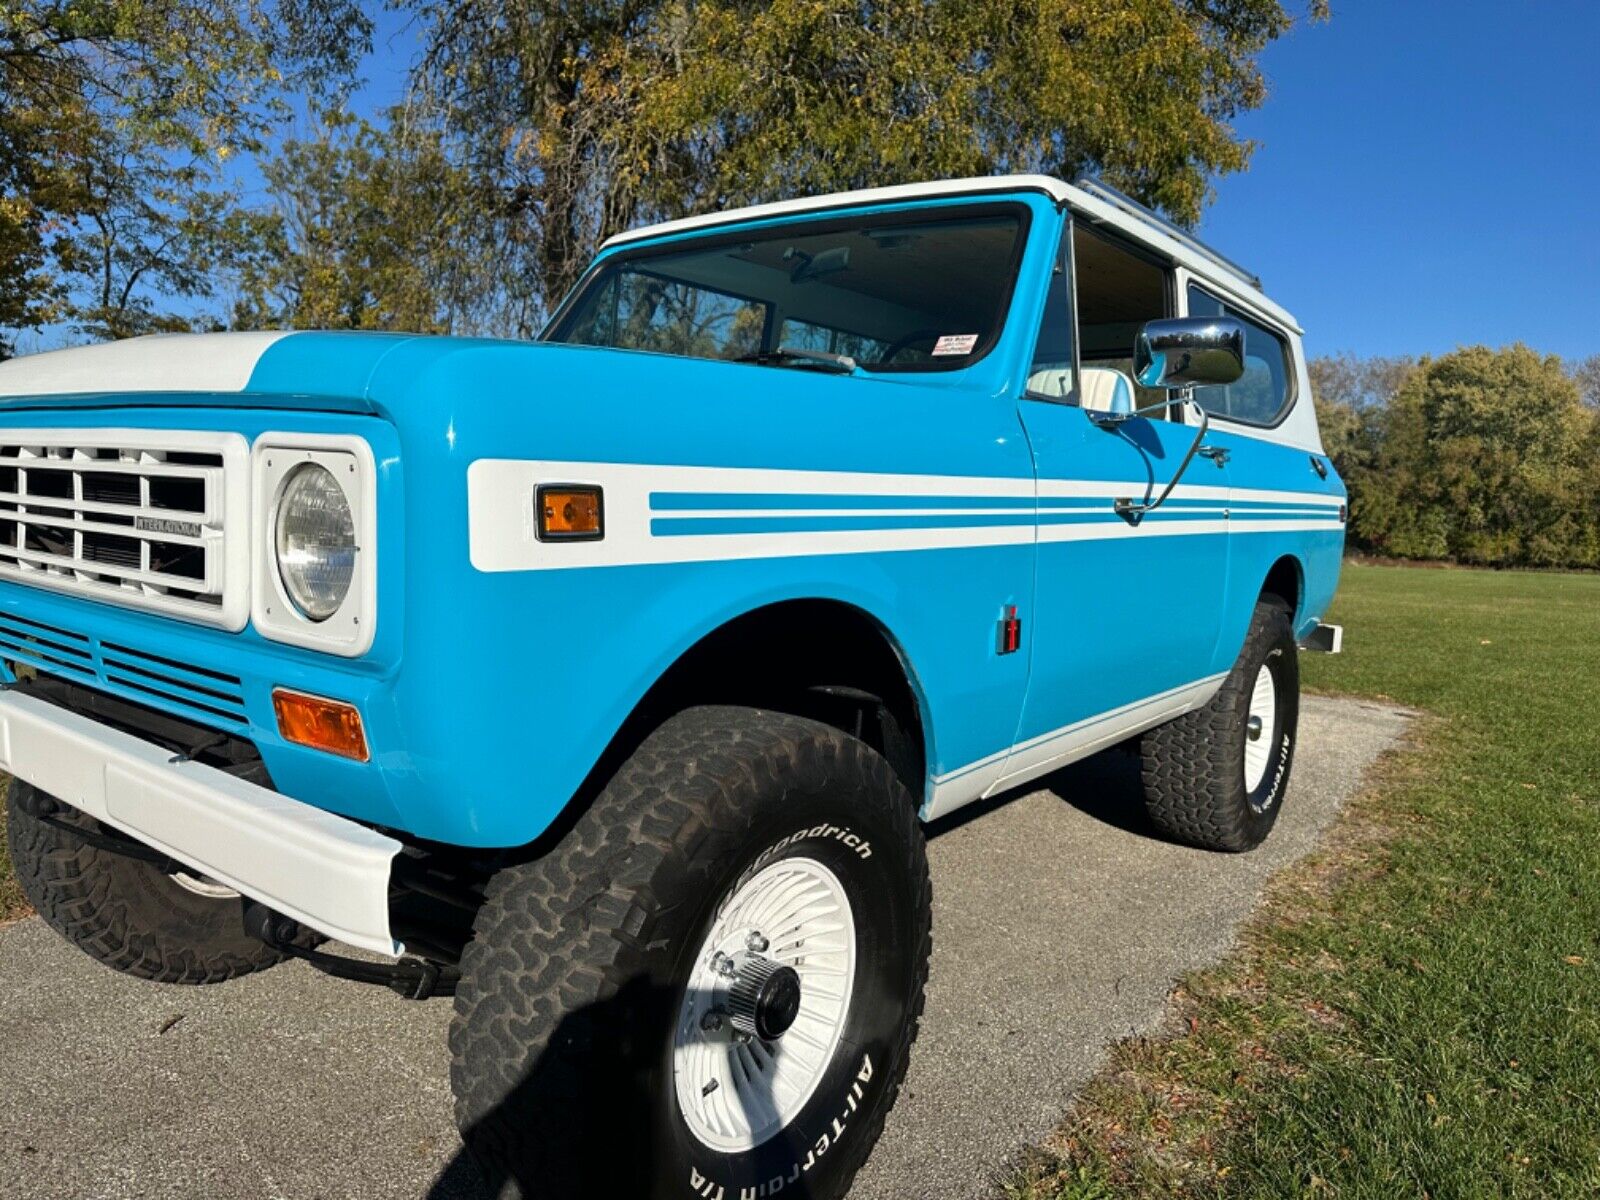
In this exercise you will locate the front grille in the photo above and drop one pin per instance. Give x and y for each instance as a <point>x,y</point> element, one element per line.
<point>210,697</point>
<point>141,518</point>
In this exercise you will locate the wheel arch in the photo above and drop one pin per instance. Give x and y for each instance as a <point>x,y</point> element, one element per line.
<point>817,657</point>
<point>1287,580</point>
<point>820,657</point>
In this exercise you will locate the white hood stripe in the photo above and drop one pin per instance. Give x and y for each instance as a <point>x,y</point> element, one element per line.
<point>182,362</point>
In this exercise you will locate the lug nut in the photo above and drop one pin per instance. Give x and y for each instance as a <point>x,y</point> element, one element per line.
<point>722,964</point>
<point>712,1021</point>
<point>755,943</point>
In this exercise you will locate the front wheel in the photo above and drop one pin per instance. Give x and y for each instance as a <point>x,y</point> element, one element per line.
<point>1215,777</point>
<point>154,922</point>
<point>711,985</point>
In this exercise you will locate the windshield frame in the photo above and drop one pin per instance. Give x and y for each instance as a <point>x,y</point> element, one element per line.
<point>813,224</point>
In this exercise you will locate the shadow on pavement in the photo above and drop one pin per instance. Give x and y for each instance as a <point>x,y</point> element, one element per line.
<point>1105,787</point>
<point>604,1070</point>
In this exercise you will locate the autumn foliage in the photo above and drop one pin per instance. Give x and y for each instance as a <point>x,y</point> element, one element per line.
<point>1479,456</point>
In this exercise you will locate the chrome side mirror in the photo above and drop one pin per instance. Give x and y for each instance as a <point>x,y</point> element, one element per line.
<point>1188,351</point>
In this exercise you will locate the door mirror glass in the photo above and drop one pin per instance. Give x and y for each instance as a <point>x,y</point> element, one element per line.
<point>1188,352</point>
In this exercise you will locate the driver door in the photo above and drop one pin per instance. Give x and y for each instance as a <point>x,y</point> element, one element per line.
<point>1127,615</point>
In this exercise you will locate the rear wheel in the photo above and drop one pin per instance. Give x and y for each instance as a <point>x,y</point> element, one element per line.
<point>161,923</point>
<point>711,984</point>
<point>1215,778</point>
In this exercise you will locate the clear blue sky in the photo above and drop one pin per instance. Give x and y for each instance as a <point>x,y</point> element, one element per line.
<point>1428,173</point>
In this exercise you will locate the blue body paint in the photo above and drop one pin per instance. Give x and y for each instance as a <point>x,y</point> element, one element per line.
<point>456,692</point>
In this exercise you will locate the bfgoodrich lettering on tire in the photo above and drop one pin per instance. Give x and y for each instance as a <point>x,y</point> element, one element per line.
<point>1215,777</point>
<point>710,987</point>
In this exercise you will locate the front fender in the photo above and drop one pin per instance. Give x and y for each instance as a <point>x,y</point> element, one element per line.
<point>523,659</point>
<point>508,726</point>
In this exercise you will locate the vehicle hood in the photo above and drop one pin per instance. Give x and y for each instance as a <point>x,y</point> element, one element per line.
<point>310,371</point>
<point>410,380</point>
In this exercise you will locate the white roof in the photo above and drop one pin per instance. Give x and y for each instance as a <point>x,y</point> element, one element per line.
<point>1101,211</point>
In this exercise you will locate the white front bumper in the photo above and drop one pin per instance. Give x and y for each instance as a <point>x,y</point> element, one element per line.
<point>323,870</point>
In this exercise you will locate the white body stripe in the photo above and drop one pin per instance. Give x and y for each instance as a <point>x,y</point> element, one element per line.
<point>204,362</point>
<point>502,521</point>
<point>1101,531</point>
<point>1074,489</point>
<point>747,513</point>
<point>1051,751</point>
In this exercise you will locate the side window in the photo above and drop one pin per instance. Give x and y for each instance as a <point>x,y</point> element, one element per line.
<point>1259,396</point>
<point>1117,288</point>
<point>1050,377</point>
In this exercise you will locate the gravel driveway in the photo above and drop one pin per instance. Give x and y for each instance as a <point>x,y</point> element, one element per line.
<point>1059,920</point>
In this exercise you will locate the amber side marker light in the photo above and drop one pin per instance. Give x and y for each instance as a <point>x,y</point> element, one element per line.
<point>330,725</point>
<point>569,513</point>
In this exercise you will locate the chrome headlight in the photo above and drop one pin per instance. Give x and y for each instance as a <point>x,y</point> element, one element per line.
<point>315,541</point>
<point>314,546</point>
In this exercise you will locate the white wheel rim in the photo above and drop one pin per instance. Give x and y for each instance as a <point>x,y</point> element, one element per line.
<point>1258,746</point>
<point>735,1094</point>
<point>203,885</point>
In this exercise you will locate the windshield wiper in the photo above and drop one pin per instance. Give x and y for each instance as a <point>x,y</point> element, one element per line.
<point>794,356</point>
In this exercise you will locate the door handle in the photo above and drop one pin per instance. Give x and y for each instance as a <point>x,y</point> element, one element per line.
<point>1217,454</point>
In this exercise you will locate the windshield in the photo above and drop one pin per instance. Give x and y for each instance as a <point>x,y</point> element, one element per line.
<point>904,293</point>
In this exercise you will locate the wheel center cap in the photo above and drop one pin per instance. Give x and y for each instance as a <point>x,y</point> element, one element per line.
<point>764,996</point>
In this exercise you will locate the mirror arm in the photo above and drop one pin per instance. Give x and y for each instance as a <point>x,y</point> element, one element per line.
<point>1134,513</point>
<point>1110,420</point>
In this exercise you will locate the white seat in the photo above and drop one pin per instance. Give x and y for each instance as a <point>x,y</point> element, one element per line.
<point>1055,382</point>
<point>1103,387</point>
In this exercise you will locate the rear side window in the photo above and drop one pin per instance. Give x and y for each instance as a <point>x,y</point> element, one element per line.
<point>1263,392</point>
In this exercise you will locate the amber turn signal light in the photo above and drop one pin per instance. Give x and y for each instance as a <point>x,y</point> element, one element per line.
<point>569,513</point>
<point>330,725</point>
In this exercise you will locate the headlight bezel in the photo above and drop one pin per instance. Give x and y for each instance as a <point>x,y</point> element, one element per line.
<point>349,630</point>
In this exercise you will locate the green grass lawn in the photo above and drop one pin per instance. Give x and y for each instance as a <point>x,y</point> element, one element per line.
<point>1417,1011</point>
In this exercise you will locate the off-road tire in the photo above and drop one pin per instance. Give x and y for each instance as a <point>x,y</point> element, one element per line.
<point>1193,768</point>
<point>127,913</point>
<point>561,1043</point>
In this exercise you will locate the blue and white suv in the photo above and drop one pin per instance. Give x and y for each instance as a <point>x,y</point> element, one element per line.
<point>606,679</point>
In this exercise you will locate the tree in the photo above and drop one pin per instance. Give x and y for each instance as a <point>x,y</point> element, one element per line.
<point>586,118</point>
<point>1586,374</point>
<point>1352,398</point>
<point>372,230</point>
<point>115,119</point>
<point>1487,459</point>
